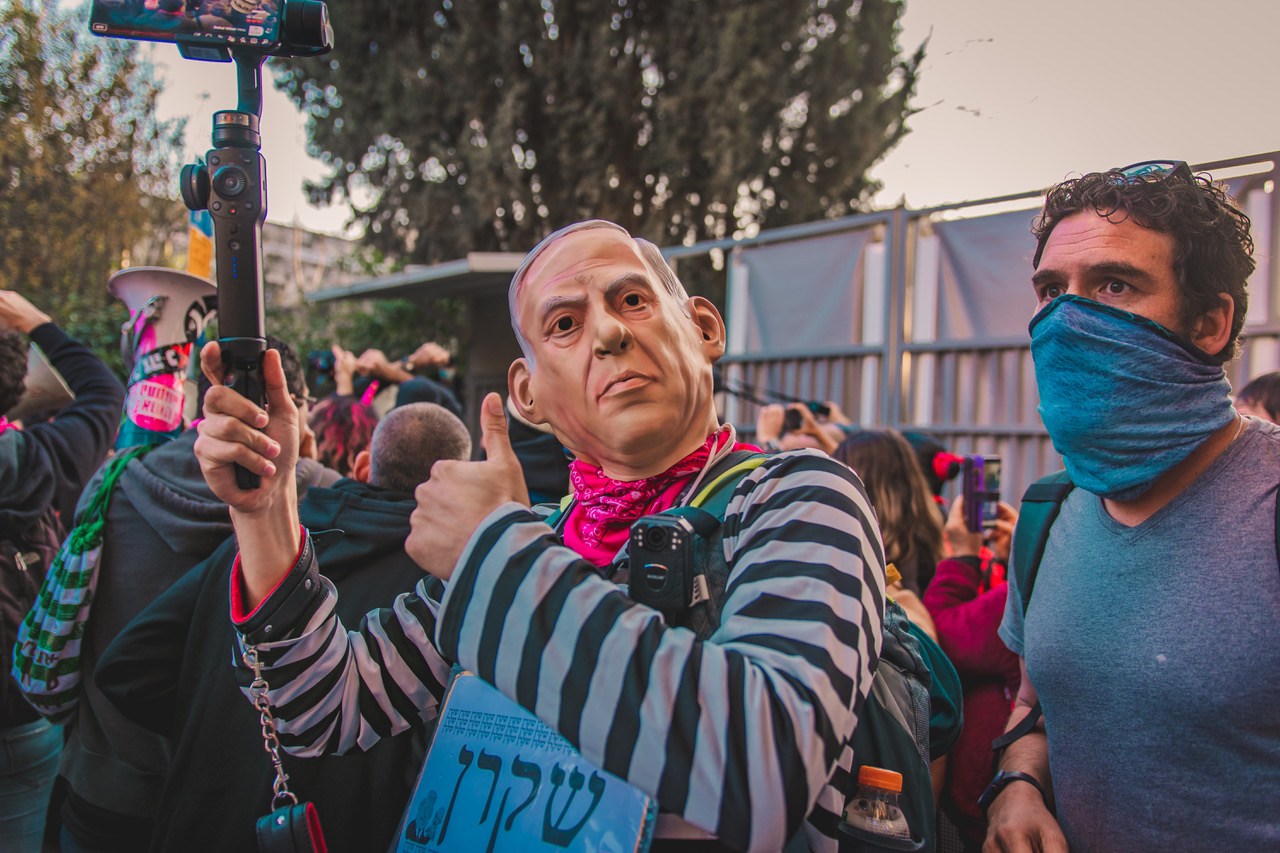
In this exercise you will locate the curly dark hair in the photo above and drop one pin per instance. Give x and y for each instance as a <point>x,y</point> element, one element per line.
<point>1213,251</point>
<point>13,368</point>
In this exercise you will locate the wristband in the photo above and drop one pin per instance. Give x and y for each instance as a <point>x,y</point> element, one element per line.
<point>1003,778</point>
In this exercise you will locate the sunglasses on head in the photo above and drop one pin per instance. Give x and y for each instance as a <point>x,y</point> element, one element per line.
<point>1158,169</point>
<point>1137,173</point>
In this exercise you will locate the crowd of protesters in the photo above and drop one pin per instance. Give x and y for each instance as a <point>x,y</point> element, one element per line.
<point>1135,693</point>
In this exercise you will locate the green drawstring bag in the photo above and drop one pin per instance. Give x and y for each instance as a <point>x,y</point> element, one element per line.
<point>46,657</point>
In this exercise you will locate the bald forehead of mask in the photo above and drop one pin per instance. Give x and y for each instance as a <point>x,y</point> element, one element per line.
<point>649,253</point>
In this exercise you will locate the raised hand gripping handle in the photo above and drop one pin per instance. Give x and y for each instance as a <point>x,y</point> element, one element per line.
<point>242,361</point>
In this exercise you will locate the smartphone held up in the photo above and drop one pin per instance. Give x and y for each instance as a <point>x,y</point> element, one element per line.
<point>981,490</point>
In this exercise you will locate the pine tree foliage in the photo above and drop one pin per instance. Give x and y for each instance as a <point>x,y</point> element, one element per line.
<point>453,125</point>
<point>86,172</point>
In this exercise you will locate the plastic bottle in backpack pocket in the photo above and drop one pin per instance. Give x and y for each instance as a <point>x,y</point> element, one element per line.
<point>873,812</point>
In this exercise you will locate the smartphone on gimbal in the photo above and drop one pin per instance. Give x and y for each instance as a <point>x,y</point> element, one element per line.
<point>208,29</point>
<point>253,23</point>
<point>231,180</point>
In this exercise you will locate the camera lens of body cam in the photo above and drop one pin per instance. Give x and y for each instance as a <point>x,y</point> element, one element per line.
<point>230,181</point>
<point>655,538</point>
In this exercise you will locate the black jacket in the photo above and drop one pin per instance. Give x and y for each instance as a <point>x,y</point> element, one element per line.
<point>171,671</point>
<point>48,465</point>
<point>163,519</point>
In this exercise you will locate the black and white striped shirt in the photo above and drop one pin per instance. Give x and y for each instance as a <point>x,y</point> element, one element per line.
<point>745,735</point>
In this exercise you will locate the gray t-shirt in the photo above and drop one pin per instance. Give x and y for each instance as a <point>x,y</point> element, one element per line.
<point>1155,651</point>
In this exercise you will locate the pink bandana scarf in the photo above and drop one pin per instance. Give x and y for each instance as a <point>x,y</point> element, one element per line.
<point>5,425</point>
<point>604,509</point>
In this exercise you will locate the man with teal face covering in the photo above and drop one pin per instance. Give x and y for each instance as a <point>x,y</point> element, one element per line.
<point>1152,640</point>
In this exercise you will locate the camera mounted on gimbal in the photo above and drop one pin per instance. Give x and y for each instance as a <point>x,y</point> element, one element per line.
<point>231,181</point>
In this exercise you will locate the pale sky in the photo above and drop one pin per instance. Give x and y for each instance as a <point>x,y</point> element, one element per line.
<point>1013,95</point>
<point>1017,94</point>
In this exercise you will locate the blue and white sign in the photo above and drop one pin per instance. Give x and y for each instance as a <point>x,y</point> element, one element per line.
<point>496,778</point>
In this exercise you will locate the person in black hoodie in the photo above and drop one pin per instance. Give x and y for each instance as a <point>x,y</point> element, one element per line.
<point>161,521</point>
<point>168,669</point>
<point>42,468</point>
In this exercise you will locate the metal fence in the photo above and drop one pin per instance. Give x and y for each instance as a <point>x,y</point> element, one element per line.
<point>935,339</point>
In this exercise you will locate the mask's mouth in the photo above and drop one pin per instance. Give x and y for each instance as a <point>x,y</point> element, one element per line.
<point>625,381</point>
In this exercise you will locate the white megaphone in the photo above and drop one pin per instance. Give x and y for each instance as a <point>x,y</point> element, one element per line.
<point>168,311</point>
<point>46,390</point>
<point>175,304</point>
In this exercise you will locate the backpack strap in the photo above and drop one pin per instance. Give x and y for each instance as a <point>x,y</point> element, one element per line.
<point>1040,507</point>
<point>1024,727</point>
<point>559,515</point>
<point>715,494</point>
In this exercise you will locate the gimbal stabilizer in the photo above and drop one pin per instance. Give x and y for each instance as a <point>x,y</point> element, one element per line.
<point>231,184</point>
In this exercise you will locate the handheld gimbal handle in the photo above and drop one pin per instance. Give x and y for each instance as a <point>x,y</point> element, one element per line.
<point>232,185</point>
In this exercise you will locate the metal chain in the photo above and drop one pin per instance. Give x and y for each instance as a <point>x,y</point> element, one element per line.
<point>271,741</point>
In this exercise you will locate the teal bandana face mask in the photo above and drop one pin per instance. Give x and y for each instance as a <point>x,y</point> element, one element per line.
<point>1123,398</point>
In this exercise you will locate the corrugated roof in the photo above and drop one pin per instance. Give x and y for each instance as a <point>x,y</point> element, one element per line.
<point>479,273</point>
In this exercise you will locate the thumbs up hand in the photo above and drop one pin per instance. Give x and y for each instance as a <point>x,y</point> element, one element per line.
<point>460,495</point>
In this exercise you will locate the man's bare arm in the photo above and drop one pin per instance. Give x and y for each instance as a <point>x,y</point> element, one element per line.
<point>1019,818</point>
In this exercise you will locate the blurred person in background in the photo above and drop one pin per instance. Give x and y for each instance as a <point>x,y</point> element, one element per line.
<point>939,465</point>
<point>161,521</point>
<point>343,427</point>
<point>966,600</point>
<point>1261,398</point>
<point>168,672</point>
<point>808,428</point>
<point>909,524</point>
<point>384,384</point>
<point>43,470</point>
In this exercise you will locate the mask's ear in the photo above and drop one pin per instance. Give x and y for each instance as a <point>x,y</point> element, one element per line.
<point>520,387</point>
<point>1212,329</point>
<point>710,326</point>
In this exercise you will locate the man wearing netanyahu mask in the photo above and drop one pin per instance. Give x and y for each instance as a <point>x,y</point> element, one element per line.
<point>742,737</point>
<point>1151,635</point>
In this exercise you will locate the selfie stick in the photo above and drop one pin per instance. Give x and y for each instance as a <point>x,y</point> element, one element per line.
<point>232,185</point>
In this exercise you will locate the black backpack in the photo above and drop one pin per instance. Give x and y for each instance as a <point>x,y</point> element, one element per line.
<point>25,558</point>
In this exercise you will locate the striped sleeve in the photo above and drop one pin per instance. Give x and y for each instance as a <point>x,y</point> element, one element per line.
<point>740,735</point>
<point>333,690</point>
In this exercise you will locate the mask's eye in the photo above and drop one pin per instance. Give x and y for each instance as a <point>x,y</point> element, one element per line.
<point>632,299</point>
<point>564,324</point>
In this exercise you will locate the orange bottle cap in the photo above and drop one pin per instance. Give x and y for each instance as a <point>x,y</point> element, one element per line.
<point>880,778</point>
